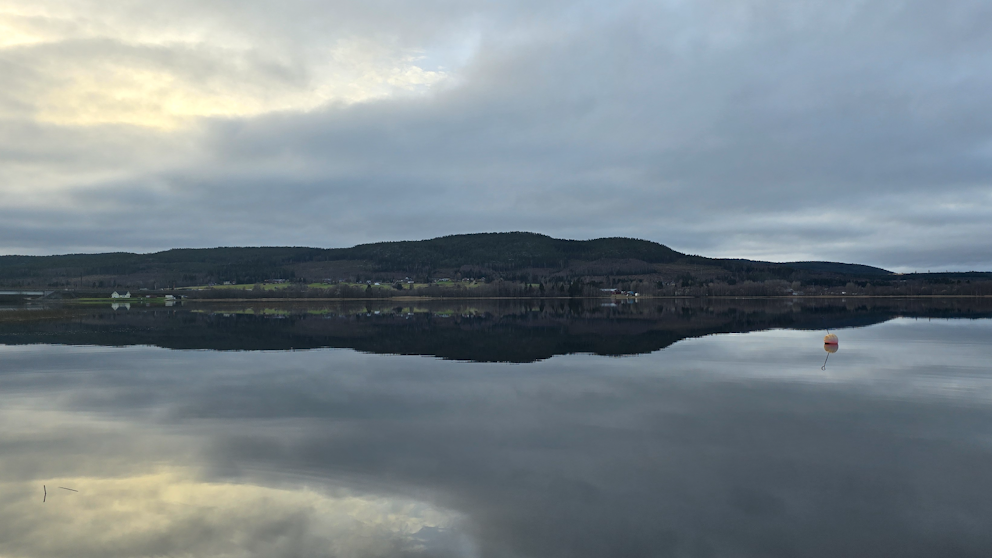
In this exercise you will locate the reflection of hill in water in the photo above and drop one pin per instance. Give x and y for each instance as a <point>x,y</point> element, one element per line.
<point>485,331</point>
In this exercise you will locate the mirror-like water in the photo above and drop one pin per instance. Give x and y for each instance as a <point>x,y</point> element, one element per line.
<point>720,433</point>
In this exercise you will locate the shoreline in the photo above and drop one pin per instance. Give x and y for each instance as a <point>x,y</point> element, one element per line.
<point>159,301</point>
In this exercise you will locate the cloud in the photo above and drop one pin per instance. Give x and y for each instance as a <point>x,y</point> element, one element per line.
<point>833,130</point>
<point>121,70</point>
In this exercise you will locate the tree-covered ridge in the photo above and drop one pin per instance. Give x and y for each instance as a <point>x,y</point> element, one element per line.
<point>215,262</point>
<point>498,251</point>
<point>533,262</point>
<point>835,267</point>
<point>509,251</point>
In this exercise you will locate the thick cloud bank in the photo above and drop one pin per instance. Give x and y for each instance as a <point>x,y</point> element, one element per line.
<point>842,130</point>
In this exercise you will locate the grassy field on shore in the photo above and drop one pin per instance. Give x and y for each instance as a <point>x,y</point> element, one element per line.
<point>375,286</point>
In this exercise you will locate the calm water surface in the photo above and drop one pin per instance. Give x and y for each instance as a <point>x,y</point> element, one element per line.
<point>718,433</point>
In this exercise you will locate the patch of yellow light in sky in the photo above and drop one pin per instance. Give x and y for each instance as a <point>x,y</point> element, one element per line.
<point>116,93</point>
<point>128,95</point>
<point>167,78</point>
<point>18,29</point>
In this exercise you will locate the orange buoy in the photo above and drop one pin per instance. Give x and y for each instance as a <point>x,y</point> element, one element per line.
<point>830,339</point>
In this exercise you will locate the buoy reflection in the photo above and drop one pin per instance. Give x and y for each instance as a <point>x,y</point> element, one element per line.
<point>831,348</point>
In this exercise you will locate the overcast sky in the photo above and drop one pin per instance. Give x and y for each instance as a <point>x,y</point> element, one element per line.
<point>784,130</point>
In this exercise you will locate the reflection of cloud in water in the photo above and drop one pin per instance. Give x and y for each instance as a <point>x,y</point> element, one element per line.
<point>733,445</point>
<point>171,512</point>
<point>895,359</point>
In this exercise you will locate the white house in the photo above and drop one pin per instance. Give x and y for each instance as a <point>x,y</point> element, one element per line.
<point>118,295</point>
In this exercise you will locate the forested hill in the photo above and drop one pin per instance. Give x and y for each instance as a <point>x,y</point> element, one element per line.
<point>514,250</point>
<point>512,256</point>
<point>834,267</point>
<point>498,251</point>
